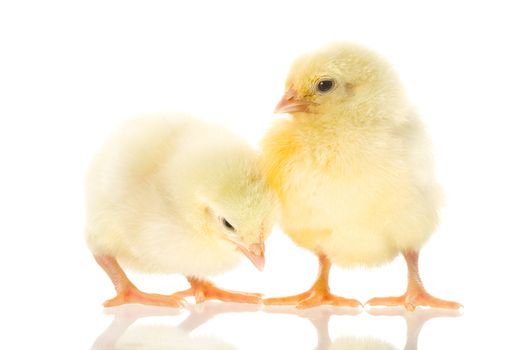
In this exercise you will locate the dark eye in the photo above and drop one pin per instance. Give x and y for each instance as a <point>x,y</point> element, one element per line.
<point>325,85</point>
<point>227,224</point>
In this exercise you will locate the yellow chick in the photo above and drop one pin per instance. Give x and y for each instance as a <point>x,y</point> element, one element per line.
<point>170,194</point>
<point>352,167</point>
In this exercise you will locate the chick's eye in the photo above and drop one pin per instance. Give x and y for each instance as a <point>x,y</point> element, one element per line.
<point>325,85</point>
<point>227,225</point>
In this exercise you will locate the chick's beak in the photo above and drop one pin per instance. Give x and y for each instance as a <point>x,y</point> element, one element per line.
<point>255,253</point>
<point>290,103</point>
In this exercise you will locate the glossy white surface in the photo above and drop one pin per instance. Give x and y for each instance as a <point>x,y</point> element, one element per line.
<point>139,327</point>
<point>71,71</point>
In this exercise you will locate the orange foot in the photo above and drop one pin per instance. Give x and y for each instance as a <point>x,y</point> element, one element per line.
<point>312,298</point>
<point>204,290</point>
<point>412,300</point>
<point>134,296</point>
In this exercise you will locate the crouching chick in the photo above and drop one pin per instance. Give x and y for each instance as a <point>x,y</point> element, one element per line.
<point>171,194</point>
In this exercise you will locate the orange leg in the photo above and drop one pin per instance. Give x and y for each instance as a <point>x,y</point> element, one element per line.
<point>204,290</point>
<point>127,293</point>
<point>318,294</point>
<point>416,295</point>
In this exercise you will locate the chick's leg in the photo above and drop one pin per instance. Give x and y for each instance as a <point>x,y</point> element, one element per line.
<point>416,295</point>
<point>204,290</point>
<point>318,294</point>
<point>127,293</point>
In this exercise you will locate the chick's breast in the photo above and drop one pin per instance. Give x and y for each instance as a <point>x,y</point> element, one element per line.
<point>141,201</point>
<point>356,207</point>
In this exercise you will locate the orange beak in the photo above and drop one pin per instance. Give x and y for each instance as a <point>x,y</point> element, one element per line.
<point>255,252</point>
<point>290,103</point>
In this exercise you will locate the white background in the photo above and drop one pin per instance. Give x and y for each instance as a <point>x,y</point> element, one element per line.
<point>71,71</point>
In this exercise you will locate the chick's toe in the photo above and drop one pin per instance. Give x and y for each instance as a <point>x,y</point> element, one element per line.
<point>412,300</point>
<point>203,290</point>
<point>135,296</point>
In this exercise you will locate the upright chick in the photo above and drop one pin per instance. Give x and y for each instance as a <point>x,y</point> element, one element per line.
<point>353,171</point>
<point>170,194</point>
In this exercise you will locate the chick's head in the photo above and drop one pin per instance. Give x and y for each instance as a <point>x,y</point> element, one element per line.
<point>342,80</point>
<point>239,206</point>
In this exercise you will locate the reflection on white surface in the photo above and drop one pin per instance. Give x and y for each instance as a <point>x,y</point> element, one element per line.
<point>166,337</point>
<point>125,334</point>
<point>414,320</point>
<point>122,334</point>
<point>320,317</point>
<point>364,343</point>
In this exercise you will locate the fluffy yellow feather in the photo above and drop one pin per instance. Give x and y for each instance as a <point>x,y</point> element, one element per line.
<point>352,166</point>
<point>170,194</point>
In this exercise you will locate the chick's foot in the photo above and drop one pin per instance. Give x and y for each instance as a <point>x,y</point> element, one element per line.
<point>318,295</point>
<point>413,300</point>
<point>135,296</point>
<point>127,292</point>
<point>416,294</point>
<point>204,290</point>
